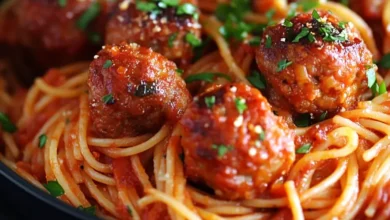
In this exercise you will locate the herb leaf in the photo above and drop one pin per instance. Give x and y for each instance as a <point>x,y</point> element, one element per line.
<point>146,6</point>
<point>107,64</point>
<point>54,188</point>
<point>62,3</point>
<point>108,99</point>
<point>303,149</point>
<point>172,39</point>
<point>210,101</point>
<point>187,9</point>
<point>257,80</point>
<point>304,32</point>
<point>302,120</point>
<point>268,42</point>
<point>221,149</point>
<point>6,124</point>
<point>90,210</point>
<point>207,77</point>
<point>88,16</point>
<point>385,61</point>
<point>42,140</point>
<point>193,40</point>
<point>283,64</point>
<point>382,88</point>
<point>240,105</point>
<point>371,75</point>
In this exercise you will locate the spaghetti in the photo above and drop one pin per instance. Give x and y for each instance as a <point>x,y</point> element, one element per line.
<point>343,175</point>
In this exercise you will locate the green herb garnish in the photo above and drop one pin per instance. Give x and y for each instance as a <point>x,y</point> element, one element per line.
<point>257,80</point>
<point>283,64</point>
<point>90,210</point>
<point>107,64</point>
<point>302,120</point>
<point>210,101</point>
<point>303,149</point>
<point>54,188</point>
<point>240,105</point>
<point>6,124</point>
<point>193,40</point>
<point>88,16</point>
<point>42,140</point>
<point>62,3</point>
<point>172,39</point>
<point>221,149</point>
<point>108,99</point>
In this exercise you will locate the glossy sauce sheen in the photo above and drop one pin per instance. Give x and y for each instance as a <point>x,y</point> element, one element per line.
<point>146,91</point>
<point>164,33</point>
<point>323,76</point>
<point>251,163</point>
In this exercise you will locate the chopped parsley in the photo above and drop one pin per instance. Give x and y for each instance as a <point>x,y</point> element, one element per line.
<point>54,188</point>
<point>382,88</point>
<point>172,39</point>
<point>283,64</point>
<point>316,15</point>
<point>42,140</point>
<point>179,71</point>
<point>210,101</point>
<point>193,40</point>
<point>287,23</point>
<point>262,135</point>
<point>207,77</point>
<point>88,16</point>
<point>108,99</point>
<point>107,64</point>
<point>307,5</point>
<point>302,120</point>
<point>90,210</point>
<point>268,42</point>
<point>255,41</point>
<point>303,149</point>
<point>221,149</point>
<point>171,3</point>
<point>345,2</point>
<point>269,15</point>
<point>6,124</point>
<point>240,105</point>
<point>146,6</point>
<point>385,61</point>
<point>342,24</point>
<point>187,9</point>
<point>323,115</point>
<point>371,75</point>
<point>304,32</point>
<point>62,3</point>
<point>257,80</point>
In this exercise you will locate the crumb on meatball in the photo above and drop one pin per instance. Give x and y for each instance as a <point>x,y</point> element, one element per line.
<point>315,62</point>
<point>234,143</point>
<point>165,32</point>
<point>134,90</point>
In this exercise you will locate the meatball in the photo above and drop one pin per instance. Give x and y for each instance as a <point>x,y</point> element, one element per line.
<point>134,90</point>
<point>168,32</point>
<point>56,32</point>
<point>234,143</point>
<point>315,62</point>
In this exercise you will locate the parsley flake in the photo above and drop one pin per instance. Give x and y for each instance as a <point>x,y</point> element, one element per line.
<point>323,116</point>
<point>42,141</point>
<point>287,23</point>
<point>257,80</point>
<point>303,149</point>
<point>54,188</point>
<point>88,16</point>
<point>146,6</point>
<point>385,61</point>
<point>187,9</point>
<point>240,105</point>
<point>179,71</point>
<point>221,149</point>
<point>316,15</point>
<point>268,42</point>
<point>172,39</point>
<point>371,75</point>
<point>6,124</point>
<point>107,64</point>
<point>382,88</point>
<point>255,41</point>
<point>90,210</point>
<point>283,64</point>
<point>62,3</point>
<point>304,32</point>
<point>108,99</point>
<point>193,40</point>
<point>302,120</point>
<point>210,101</point>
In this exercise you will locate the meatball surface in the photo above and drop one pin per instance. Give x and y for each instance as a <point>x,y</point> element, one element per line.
<point>166,32</point>
<point>134,90</point>
<point>315,62</point>
<point>234,143</point>
<point>57,32</point>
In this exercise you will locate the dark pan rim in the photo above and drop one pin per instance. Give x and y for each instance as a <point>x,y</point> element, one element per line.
<point>41,195</point>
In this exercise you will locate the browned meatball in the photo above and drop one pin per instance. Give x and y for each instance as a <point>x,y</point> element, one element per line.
<point>234,143</point>
<point>134,90</point>
<point>168,32</point>
<point>316,63</point>
<point>56,32</point>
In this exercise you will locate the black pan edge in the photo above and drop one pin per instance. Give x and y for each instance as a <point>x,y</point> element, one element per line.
<point>42,196</point>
